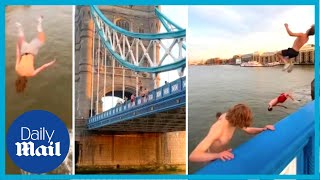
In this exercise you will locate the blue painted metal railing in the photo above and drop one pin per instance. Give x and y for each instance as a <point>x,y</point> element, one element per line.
<point>167,97</point>
<point>271,151</point>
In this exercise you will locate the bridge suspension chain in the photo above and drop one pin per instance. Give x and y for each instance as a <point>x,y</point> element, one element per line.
<point>132,50</point>
<point>92,71</point>
<point>98,76</point>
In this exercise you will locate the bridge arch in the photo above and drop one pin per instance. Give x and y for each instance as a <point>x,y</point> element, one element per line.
<point>123,23</point>
<point>128,90</point>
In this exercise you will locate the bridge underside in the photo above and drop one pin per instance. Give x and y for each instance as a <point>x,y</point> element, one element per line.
<point>167,121</point>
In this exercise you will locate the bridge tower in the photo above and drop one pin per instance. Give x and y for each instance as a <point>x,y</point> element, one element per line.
<point>109,149</point>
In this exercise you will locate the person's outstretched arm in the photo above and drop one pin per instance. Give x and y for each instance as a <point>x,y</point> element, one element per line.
<point>255,130</point>
<point>201,154</point>
<point>43,67</point>
<point>282,106</point>
<point>289,96</point>
<point>290,32</point>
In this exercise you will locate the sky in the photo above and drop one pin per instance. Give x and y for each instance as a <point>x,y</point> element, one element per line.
<point>224,31</point>
<point>178,14</point>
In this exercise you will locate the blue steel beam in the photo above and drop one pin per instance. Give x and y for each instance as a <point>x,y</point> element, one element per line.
<point>164,19</point>
<point>168,97</point>
<point>168,67</point>
<point>271,151</point>
<point>147,36</point>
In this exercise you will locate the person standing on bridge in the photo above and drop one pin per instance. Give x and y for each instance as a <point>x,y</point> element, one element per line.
<point>214,145</point>
<point>25,54</point>
<point>280,99</point>
<point>287,54</point>
<point>132,98</point>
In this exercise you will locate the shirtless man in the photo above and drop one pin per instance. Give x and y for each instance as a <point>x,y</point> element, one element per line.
<point>25,54</point>
<point>214,145</point>
<point>301,39</point>
<point>280,99</point>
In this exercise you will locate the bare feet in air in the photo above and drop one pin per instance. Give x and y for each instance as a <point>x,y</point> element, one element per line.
<point>40,19</point>
<point>290,68</point>
<point>18,25</point>
<point>20,28</point>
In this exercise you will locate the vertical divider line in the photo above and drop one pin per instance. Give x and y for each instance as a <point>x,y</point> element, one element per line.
<point>73,90</point>
<point>316,87</point>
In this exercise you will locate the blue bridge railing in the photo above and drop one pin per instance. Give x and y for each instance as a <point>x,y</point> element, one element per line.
<point>168,97</point>
<point>271,151</point>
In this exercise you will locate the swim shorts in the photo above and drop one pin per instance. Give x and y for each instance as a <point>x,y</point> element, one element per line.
<point>32,47</point>
<point>282,98</point>
<point>290,52</point>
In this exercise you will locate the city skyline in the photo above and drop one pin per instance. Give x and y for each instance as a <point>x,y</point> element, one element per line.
<point>224,31</point>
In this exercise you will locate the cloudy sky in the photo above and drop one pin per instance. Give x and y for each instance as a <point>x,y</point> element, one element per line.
<point>223,31</point>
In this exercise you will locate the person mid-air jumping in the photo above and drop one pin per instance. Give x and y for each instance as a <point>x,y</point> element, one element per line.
<point>301,39</point>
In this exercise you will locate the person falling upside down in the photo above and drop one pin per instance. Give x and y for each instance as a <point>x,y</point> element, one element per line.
<point>25,54</point>
<point>214,145</point>
<point>301,39</point>
<point>280,99</point>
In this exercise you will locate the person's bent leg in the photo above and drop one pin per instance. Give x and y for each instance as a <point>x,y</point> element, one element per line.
<point>20,43</point>
<point>283,59</point>
<point>290,68</point>
<point>41,35</point>
<point>20,34</point>
<point>37,42</point>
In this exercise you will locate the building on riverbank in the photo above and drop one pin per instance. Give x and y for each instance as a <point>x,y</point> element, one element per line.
<point>306,56</point>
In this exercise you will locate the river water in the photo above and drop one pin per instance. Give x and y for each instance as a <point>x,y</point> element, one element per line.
<point>51,89</point>
<point>217,88</point>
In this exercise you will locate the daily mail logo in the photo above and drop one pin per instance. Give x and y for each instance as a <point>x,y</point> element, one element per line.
<point>28,148</point>
<point>38,141</point>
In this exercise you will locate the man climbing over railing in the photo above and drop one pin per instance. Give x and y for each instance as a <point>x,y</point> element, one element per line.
<point>25,54</point>
<point>214,145</point>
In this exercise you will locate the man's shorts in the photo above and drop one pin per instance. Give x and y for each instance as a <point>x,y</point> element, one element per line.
<point>291,53</point>
<point>32,47</point>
